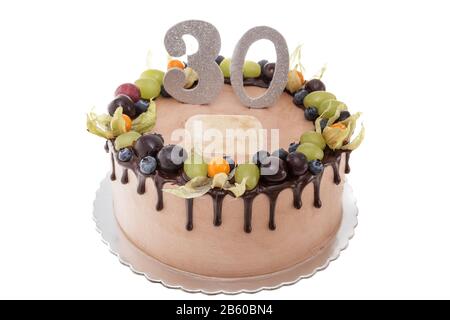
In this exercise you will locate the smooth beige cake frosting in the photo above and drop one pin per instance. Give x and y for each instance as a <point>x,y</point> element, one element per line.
<point>226,250</point>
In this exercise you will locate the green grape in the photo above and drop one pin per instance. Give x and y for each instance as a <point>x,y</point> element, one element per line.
<point>194,166</point>
<point>225,67</point>
<point>155,74</point>
<point>332,104</point>
<point>249,171</point>
<point>251,69</point>
<point>314,138</point>
<point>311,151</point>
<point>126,139</point>
<point>150,88</point>
<point>314,99</point>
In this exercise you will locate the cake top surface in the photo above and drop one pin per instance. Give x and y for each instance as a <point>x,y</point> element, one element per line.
<point>292,124</point>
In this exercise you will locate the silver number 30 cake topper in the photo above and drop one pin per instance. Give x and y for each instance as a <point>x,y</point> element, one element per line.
<point>211,79</point>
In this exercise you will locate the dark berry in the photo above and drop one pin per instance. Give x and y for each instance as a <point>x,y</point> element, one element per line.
<point>126,103</point>
<point>323,124</point>
<point>315,85</point>
<point>311,113</point>
<point>171,158</point>
<point>297,163</point>
<point>315,167</point>
<point>230,162</point>
<point>147,165</point>
<point>130,90</point>
<point>293,147</point>
<point>149,145</point>
<point>125,154</point>
<point>343,115</point>
<point>219,59</point>
<point>260,157</point>
<point>262,63</point>
<point>159,135</point>
<point>164,93</point>
<point>268,70</point>
<point>299,96</point>
<point>141,106</point>
<point>280,153</point>
<point>274,170</point>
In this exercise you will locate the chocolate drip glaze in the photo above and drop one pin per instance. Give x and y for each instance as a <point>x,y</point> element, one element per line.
<point>190,214</point>
<point>141,184</point>
<point>217,196</point>
<point>113,165</point>
<point>273,203</point>
<point>296,184</point>
<point>124,178</point>
<point>316,183</point>
<point>248,206</point>
<point>347,160</point>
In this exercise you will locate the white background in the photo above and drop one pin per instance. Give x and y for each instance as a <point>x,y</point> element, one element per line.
<point>389,59</point>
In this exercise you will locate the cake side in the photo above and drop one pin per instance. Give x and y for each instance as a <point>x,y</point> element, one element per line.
<point>226,250</point>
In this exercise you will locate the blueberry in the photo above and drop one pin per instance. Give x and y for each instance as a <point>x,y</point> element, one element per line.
<point>125,154</point>
<point>315,167</point>
<point>147,165</point>
<point>293,147</point>
<point>230,162</point>
<point>262,63</point>
<point>323,123</point>
<point>280,153</point>
<point>141,106</point>
<point>344,115</point>
<point>219,59</point>
<point>260,157</point>
<point>299,96</point>
<point>311,113</point>
<point>164,93</point>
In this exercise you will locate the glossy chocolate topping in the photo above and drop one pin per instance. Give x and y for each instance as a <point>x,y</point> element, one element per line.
<point>296,184</point>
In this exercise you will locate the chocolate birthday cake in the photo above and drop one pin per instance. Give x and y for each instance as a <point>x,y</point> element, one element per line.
<point>219,180</point>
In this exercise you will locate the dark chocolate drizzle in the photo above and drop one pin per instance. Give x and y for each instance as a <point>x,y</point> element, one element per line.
<point>190,214</point>
<point>217,195</point>
<point>272,191</point>
<point>113,165</point>
<point>124,178</point>
<point>347,160</point>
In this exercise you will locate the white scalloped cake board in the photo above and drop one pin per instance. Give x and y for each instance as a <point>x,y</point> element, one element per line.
<point>155,271</point>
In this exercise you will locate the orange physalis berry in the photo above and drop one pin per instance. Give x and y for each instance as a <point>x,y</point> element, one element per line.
<point>128,122</point>
<point>174,63</point>
<point>339,125</point>
<point>301,77</point>
<point>218,165</point>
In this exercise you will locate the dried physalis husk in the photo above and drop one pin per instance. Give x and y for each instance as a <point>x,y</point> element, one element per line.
<point>126,139</point>
<point>99,125</point>
<point>295,81</point>
<point>351,123</point>
<point>118,124</point>
<point>238,189</point>
<point>341,107</point>
<point>146,121</point>
<point>335,135</point>
<point>357,141</point>
<point>191,77</point>
<point>220,180</point>
<point>194,188</point>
